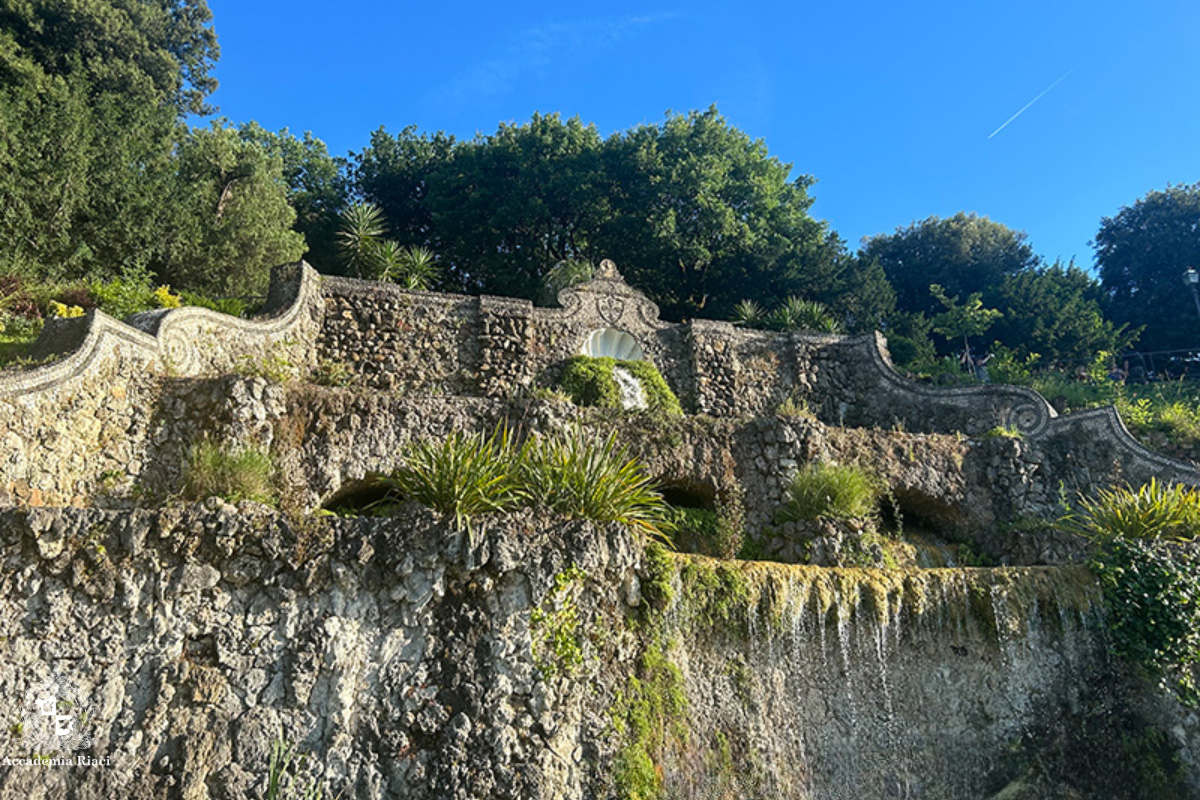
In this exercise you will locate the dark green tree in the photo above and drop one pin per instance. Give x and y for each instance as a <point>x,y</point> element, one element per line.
<point>964,254</point>
<point>694,212</point>
<point>1056,313</point>
<point>510,206</point>
<point>232,221</point>
<point>317,188</point>
<point>91,93</point>
<point>1141,255</point>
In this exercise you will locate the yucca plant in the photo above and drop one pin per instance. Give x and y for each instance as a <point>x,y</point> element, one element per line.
<point>750,314</point>
<point>1154,511</point>
<point>580,475</point>
<point>831,491</point>
<point>414,268</point>
<point>359,234</point>
<point>463,475</point>
<point>798,314</point>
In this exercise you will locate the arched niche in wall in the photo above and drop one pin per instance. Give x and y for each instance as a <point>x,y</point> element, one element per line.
<point>613,343</point>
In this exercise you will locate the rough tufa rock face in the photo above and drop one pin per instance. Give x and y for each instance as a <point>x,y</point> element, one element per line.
<point>408,664</point>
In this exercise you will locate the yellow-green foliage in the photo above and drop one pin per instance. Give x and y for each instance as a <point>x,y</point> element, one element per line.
<point>216,470</point>
<point>580,475</point>
<point>164,298</point>
<point>831,491</point>
<point>715,592</point>
<point>590,382</point>
<point>1155,510</point>
<point>63,311</point>
<point>463,475</point>
<point>996,601</point>
<point>647,717</point>
<point>575,474</point>
<point>555,626</point>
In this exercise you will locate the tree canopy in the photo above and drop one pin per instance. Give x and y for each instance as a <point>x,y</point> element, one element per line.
<point>1142,253</point>
<point>696,213</point>
<point>1056,313</point>
<point>963,254</point>
<point>91,95</point>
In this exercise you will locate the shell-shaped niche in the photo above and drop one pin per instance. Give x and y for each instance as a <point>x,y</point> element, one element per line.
<point>613,343</point>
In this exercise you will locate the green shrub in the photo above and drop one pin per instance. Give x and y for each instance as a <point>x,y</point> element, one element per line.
<point>125,295</point>
<point>226,305</point>
<point>1154,511</point>
<point>329,372</point>
<point>215,470</point>
<point>698,523</point>
<point>579,475</point>
<point>830,491</point>
<point>1152,596</point>
<point>590,382</point>
<point>463,475</point>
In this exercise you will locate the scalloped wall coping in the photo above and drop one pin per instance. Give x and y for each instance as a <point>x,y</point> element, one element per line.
<point>169,339</point>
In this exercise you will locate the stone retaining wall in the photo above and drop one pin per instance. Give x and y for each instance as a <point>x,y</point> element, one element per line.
<point>108,412</point>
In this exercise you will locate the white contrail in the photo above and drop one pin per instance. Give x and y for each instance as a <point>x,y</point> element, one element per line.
<point>1025,107</point>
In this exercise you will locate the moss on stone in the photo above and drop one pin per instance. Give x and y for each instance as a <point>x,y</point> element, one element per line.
<point>648,717</point>
<point>590,382</point>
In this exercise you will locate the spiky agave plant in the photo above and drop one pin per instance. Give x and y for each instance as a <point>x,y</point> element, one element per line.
<point>798,314</point>
<point>580,475</point>
<point>1153,511</point>
<point>750,314</point>
<point>463,475</point>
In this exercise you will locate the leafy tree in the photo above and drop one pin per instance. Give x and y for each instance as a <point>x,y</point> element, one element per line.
<point>150,51</point>
<point>962,319</point>
<point>91,92</point>
<point>317,188</point>
<point>696,213</point>
<point>1141,255</point>
<point>510,206</point>
<point>232,221</point>
<point>964,254</point>
<point>703,217</point>
<point>1056,312</point>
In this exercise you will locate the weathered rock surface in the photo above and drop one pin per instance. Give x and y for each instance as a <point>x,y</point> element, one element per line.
<point>409,663</point>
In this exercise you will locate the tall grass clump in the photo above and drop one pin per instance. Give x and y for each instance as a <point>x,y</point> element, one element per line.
<point>1154,511</point>
<point>463,475</point>
<point>831,491</point>
<point>579,475</point>
<point>215,470</point>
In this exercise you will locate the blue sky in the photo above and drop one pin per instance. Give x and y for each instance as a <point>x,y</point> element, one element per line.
<point>888,104</point>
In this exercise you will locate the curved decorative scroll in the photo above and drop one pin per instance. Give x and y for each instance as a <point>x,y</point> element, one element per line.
<point>188,341</point>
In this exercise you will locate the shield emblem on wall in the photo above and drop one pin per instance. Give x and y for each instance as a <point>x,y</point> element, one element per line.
<point>610,308</point>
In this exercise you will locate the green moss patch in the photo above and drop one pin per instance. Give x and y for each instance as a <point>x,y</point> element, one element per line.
<point>590,382</point>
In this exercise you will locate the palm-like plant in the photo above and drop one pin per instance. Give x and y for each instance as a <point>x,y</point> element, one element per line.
<point>361,230</point>
<point>1153,511</point>
<point>750,314</point>
<point>798,314</point>
<point>413,267</point>
<point>580,475</point>
<point>463,475</point>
